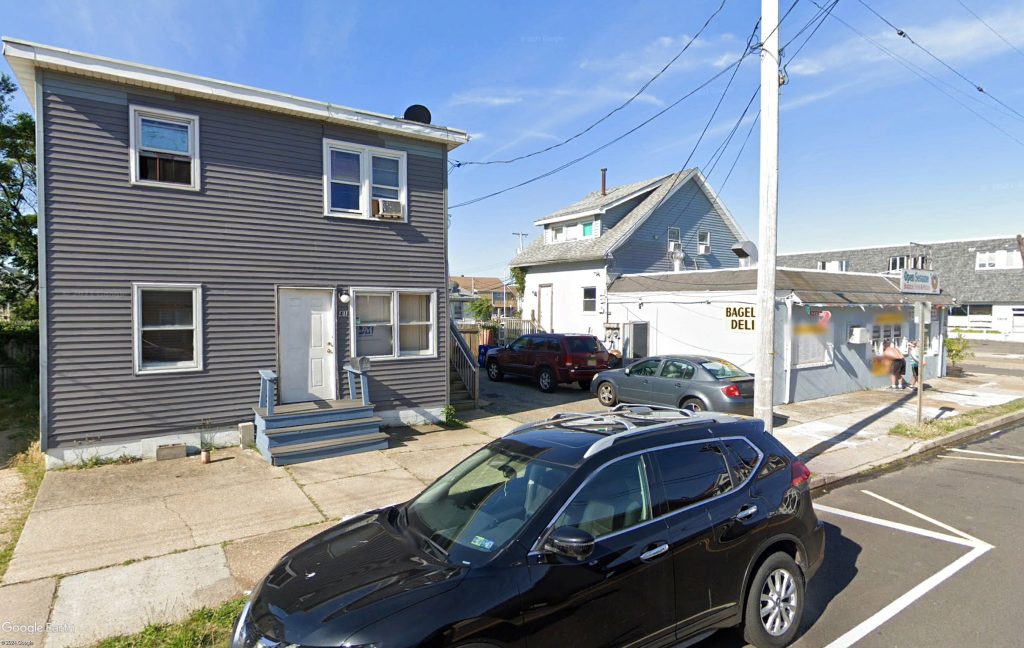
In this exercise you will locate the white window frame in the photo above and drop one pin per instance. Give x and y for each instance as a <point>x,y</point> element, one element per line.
<point>395,323</point>
<point>197,327</point>
<point>821,265</point>
<point>584,301</point>
<point>366,155</point>
<point>674,235</point>
<point>593,229</point>
<point>136,113</point>
<point>897,263</point>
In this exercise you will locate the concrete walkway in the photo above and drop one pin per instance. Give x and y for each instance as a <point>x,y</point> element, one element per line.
<point>108,550</point>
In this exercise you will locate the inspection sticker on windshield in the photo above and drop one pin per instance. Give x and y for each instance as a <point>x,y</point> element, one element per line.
<point>482,542</point>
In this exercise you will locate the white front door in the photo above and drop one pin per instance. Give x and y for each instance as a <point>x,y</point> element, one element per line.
<point>306,341</point>
<point>545,306</point>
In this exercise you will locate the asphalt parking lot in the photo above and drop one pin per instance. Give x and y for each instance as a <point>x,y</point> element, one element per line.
<point>891,577</point>
<point>521,399</point>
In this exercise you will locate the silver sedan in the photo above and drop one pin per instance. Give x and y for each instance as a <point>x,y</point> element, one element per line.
<point>699,383</point>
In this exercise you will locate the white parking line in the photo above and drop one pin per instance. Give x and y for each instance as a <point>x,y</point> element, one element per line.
<point>1009,461</point>
<point>941,525</point>
<point>872,623</point>
<point>989,454</point>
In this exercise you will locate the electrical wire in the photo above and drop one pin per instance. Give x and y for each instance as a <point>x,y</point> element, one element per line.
<point>920,72</point>
<point>628,101</point>
<point>903,34</point>
<point>991,28</point>
<point>820,17</point>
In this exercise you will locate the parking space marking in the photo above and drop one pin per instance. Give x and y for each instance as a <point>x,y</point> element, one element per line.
<point>869,625</point>
<point>1009,461</point>
<point>989,454</point>
<point>941,525</point>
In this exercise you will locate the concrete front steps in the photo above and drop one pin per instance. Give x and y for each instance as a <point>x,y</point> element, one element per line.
<point>458,395</point>
<point>300,432</point>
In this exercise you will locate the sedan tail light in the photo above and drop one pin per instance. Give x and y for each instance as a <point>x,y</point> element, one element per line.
<point>732,391</point>
<point>799,472</point>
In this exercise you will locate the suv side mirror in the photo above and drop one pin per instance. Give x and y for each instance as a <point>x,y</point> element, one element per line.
<point>570,542</point>
<point>626,371</point>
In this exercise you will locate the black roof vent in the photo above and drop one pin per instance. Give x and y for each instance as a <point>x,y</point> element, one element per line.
<point>418,113</point>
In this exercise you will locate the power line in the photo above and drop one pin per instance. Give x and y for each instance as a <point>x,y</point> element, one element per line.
<point>921,73</point>
<point>605,145</point>
<point>903,34</point>
<point>636,94</point>
<point>820,16</point>
<point>991,28</point>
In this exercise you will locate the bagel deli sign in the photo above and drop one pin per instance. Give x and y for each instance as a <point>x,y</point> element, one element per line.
<point>919,281</point>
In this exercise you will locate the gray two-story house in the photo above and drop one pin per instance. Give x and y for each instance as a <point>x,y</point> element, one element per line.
<point>208,249</point>
<point>673,222</point>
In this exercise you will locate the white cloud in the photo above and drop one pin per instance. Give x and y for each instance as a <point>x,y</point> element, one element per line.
<point>485,98</point>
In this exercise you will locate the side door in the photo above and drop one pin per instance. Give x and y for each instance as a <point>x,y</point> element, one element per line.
<point>623,593</point>
<point>740,520</point>
<point>671,382</point>
<point>692,476</point>
<point>636,387</point>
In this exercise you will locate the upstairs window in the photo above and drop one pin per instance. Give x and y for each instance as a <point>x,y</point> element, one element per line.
<point>999,260</point>
<point>364,182</point>
<point>919,262</point>
<point>821,265</point>
<point>587,229</point>
<point>673,235</point>
<point>704,242</point>
<point>897,263</point>
<point>164,148</point>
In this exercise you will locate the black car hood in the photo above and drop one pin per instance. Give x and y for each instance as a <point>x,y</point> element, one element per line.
<point>345,578</point>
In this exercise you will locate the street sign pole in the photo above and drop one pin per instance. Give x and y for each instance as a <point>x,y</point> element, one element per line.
<point>764,349</point>
<point>922,340</point>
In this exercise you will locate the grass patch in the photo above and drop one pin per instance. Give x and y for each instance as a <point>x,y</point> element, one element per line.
<point>942,427</point>
<point>19,449</point>
<point>205,628</point>
<point>96,462</point>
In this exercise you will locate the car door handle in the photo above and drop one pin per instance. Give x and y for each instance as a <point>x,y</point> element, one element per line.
<point>654,552</point>
<point>746,512</point>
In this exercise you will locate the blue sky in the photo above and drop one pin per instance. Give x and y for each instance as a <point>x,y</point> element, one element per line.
<point>869,152</point>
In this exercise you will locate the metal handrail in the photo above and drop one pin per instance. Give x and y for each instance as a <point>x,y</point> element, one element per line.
<point>461,360</point>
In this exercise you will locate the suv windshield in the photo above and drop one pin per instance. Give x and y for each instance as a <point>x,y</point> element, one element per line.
<point>724,369</point>
<point>483,502</point>
<point>585,345</point>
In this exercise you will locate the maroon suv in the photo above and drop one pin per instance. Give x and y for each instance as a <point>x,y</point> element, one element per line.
<point>550,358</point>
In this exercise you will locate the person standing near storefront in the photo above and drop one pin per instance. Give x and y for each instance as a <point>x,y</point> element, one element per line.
<point>897,365</point>
<point>912,354</point>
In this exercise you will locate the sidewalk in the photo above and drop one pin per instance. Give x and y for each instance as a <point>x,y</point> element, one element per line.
<point>108,550</point>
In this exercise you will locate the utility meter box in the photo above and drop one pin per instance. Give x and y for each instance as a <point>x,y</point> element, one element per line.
<point>859,335</point>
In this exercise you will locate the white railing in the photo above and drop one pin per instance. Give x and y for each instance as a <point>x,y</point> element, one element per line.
<point>461,360</point>
<point>509,328</point>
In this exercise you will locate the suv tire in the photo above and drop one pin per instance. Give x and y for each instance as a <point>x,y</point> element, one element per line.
<point>494,371</point>
<point>606,394</point>
<point>775,603</point>
<point>547,380</point>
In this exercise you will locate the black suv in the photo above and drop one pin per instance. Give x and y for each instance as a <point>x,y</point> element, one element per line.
<point>635,527</point>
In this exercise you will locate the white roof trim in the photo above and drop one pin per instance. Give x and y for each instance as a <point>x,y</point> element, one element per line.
<point>25,56</point>
<point>600,210</point>
<point>729,220</point>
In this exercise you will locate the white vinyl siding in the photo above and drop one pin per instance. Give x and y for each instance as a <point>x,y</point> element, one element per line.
<point>168,327</point>
<point>394,323</point>
<point>355,175</point>
<point>164,148</point>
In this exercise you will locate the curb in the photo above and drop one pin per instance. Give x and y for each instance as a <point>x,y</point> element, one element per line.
<point>918,451</point>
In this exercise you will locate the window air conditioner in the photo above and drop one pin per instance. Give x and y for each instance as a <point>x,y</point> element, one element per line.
<point>675,246</point>
<point>388,209</point>
<point>703,248</point>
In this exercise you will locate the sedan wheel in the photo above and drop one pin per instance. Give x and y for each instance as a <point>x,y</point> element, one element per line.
<point>775,603</point>
<point>606,394</point>
<point>692,404</point>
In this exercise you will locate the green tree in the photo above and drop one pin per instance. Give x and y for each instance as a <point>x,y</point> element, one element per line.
<point>19,258</point>
<point>481,309</point>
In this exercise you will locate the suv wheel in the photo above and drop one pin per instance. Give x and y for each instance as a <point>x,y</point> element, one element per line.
<point>692,404</point>
<point>546,380</point>
<point>606,394</point>
<point>494,371</point>
<point>775,603</point>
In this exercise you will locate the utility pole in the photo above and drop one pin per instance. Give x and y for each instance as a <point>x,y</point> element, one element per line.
<point>768,206</point>
<point>521,235</point>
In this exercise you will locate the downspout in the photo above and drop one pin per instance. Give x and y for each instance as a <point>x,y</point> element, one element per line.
<point>788,348</point>
<point>42,276</point>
